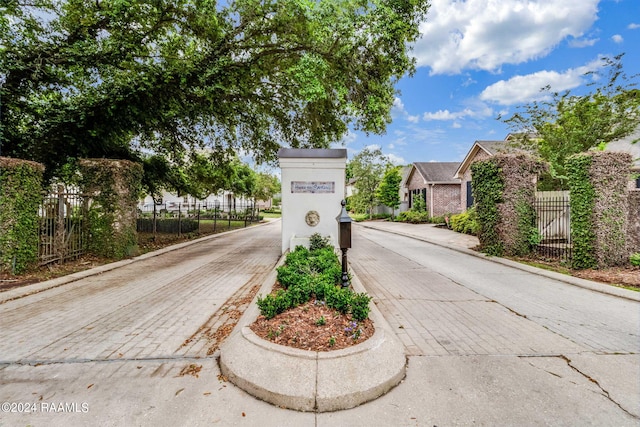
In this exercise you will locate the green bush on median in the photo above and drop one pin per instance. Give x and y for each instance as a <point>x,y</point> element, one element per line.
<point>314,273</point>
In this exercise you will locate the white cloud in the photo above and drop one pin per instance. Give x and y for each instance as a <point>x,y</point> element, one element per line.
<point>456,125</point>
<point>441,115</point>
<point>398,109</point>
<point>633,26</point>
<point>349,138</point>
<point>480,111</point>
<point>398,104</point>
<point>617,38</point>
<point>396,160</point>
<point>484,34</point>
<point>582,42</point>
<point>522,89</point>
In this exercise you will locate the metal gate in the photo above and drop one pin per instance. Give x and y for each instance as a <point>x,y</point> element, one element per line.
<point>553,211</point>
<point>63,233</point>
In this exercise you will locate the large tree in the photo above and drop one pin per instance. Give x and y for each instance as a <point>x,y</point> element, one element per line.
<point>388,191</point>
<point>367,167</point>
<point>199,175</point>
<point>566,123</point>
<point>113,78</point>
<point>266,186</point>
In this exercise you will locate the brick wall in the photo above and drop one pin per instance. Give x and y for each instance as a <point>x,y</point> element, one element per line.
<point>416,181</point>
<point>446,199</point>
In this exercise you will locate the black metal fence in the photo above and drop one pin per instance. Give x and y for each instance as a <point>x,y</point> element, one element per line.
<point>63,233</point>
<point>179,218</point>
<point>553,211</point>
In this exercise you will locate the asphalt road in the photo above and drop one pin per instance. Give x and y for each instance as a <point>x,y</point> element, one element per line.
<point>487,344</point>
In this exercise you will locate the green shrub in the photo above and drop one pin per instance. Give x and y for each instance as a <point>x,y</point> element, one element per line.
<point>466,222</point>
<point>419,204</point>
<point>316,241</point>
<point>308,273</point>
<point>360,306</point>
<point>634,259</point>
<point>338,298</point>
<point>437,220</point>
<point>413,217</point>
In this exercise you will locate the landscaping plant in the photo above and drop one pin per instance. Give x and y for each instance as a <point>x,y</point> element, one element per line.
<point>313,273</point>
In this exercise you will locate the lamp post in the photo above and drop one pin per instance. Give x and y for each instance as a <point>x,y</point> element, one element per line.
<point>344,240</point>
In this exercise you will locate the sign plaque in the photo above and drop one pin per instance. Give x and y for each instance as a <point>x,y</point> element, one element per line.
<point>313,187</point>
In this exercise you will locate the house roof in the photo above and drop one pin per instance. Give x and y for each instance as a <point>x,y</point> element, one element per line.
<point>490,147</point>
<point>626,145</point>
<point>436,172</point>
<point>405,172</point>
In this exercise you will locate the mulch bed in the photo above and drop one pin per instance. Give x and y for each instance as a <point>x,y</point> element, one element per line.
<point>302,328</point>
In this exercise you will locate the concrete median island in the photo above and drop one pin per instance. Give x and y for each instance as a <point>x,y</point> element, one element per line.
<point>313,380</point>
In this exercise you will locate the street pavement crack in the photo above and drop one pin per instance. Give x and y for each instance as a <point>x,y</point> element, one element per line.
<point>524,316</point>
<point>594,381</point>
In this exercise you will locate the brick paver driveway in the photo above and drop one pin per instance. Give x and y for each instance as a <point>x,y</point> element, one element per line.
<point>162,307</point>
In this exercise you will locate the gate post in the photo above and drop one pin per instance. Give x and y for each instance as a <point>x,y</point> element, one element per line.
<point>60,232</point>
<point>114,189</point>
<point>313,185</point>
<point>20,197</point>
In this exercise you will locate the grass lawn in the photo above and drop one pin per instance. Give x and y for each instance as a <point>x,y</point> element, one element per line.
<point>359,217</point>
<point>271,214</point>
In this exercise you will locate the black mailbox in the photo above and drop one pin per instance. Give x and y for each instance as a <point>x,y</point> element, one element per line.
<point>344,240</point>
<point>344,228</point>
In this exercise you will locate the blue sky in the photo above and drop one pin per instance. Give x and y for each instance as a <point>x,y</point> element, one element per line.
<point>481,58</point>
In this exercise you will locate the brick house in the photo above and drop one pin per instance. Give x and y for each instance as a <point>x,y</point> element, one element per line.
<point>436,182</point>
<point>479,151</point>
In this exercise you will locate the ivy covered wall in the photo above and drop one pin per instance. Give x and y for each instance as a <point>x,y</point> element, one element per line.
<point>598,183</point>
<point>20,196</point>
<point>504,191</point>
<point>114,188</point>
<point>634,221</point>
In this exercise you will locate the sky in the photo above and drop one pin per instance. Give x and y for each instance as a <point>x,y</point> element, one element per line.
<point>478,59</point>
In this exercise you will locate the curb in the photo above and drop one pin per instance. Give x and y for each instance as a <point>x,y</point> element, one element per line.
<point>308,380</point>
<point>574,281</point>
<point>35,288</point>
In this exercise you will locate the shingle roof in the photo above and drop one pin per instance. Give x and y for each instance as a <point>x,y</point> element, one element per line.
<point>495,147</point>
<point>626,145</point>
<point>437,171</point>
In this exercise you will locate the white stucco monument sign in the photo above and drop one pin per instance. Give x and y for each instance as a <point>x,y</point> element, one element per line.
<point>313,185</point>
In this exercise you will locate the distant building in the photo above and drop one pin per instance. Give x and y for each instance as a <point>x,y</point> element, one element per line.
<point>627,145</point>
<point>436,183</point>
<point>480,150</point>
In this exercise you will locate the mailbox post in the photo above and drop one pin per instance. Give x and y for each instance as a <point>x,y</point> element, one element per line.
<point>344,240</point>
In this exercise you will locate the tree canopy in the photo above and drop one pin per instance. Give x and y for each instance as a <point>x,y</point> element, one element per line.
<point>117,78</point>
<point>367,167</point>
<point>388,192</point>
<point>266,186</point>
<point>567,124</point>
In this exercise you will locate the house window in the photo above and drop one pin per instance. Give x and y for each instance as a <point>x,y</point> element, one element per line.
<point>638,182</point>
<point>469,195</point>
